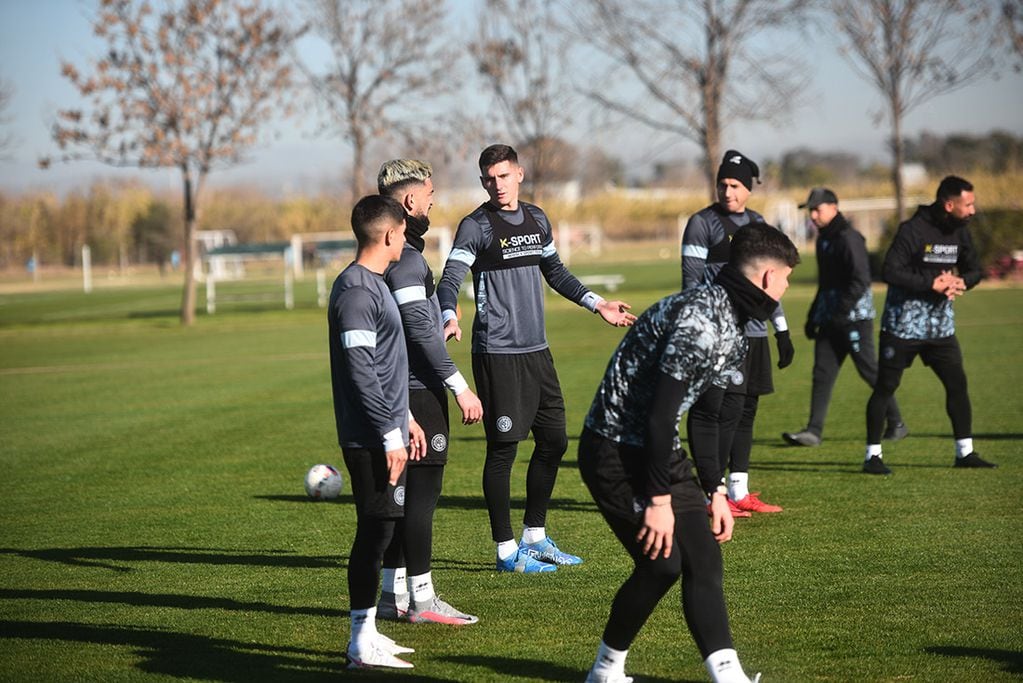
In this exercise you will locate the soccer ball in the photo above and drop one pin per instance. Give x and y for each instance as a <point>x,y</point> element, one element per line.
<point>323,482</point>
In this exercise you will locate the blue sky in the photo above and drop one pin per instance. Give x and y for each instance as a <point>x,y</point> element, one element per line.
<point>837,115</point>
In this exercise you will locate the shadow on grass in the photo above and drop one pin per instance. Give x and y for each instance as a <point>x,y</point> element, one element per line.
<point>1011,660</point>
<point>137,599</point>
<point>536,669</point>
<point>105,558</point>
<point>185,655</point>
<point>448,502</point>
<point>852,466</point>
<point>990,436</point>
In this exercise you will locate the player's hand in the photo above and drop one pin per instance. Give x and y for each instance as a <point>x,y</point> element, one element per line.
<point>956,287</point>
<point>658,528</point>
<point>616,313</point>
<point>469,404</point>
<point>416,441</point>
<point>396,464</point>
<point>451,329</point>
<point>721,521</point>
<point>942,282</point>
<point>786,351</point>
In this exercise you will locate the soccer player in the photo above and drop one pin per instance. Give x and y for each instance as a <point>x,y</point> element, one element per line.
<point>841,317</point>
<point>369,375</point>
<point>930,263</point>
<point>631,456</point>
<point>723,419</point>
<point>508,245</point>
<point>431,371</point>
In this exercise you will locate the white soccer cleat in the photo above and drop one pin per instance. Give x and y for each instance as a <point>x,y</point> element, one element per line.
<point>373,657</point>
<point>616,677</point>
<point>389,645</point>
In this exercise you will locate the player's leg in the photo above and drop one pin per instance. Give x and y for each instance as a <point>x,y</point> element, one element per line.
<point>827,361</point>
<point>896,355</point>
<point>378,506</point>
<point>865,359</point>
<point>551,442</point>
<point>945,358</point>
<point>758,382</point>
<point>394,595</point>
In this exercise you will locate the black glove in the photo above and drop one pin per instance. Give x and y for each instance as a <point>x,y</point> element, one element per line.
<point>810,329</point>
<point>786,352</point>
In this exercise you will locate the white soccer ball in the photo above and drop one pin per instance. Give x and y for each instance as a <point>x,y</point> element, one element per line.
<point>323,482</point>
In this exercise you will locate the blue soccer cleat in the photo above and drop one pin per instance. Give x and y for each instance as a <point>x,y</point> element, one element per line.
<point>524,564</point>
<point>546,551</point>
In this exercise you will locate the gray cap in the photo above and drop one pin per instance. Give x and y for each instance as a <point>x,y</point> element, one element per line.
<point>818,196</point>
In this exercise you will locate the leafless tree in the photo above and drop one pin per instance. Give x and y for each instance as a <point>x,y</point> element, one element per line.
<point>697,65</point>
<point>912,51</point>
<point>1012,17</point>
<point>388,59</point>
<point>187,88</point>
<point>524,59</point>
<point>6,139</point>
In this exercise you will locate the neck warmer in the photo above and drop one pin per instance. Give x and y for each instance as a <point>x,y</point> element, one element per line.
<point>946,222</point>
<point>750,301</point>
<point>415,228</point>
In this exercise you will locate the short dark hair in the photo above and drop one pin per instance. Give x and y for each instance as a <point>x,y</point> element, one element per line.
<point>761,241</point>
<point>951,187</point>
<point>371,215</point>
<point>495,154</point>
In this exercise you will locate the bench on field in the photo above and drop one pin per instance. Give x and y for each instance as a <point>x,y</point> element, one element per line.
<point>609,282</point>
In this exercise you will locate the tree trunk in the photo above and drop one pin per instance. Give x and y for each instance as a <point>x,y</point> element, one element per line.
<point>188,294</point>
<point>358,164</point>
<point>897,155</point>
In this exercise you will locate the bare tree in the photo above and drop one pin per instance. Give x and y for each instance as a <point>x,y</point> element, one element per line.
<point>6,139</point>
<point>698,65</point>
<point>1012,18</point>
<point>912,51</point>
<point>523,60</point>
<point>388,57</point>
<point>188,88</point>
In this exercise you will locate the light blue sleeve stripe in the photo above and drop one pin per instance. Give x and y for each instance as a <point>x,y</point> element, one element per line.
<point>462,256</point>
<point>549,251</point>
<point>695,251</point>
<point>408,294</point>
<point>353,338</point>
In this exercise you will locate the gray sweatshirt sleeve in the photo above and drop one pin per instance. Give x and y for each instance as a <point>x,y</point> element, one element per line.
<point>467,244</point>
<point>557,275</point>
<point>695,247</point>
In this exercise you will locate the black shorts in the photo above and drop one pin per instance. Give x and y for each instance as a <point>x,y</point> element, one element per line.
<point>373,493</point>
<point>897,353</point>
<point>615,474</point>
<point>430,408</point>
<point>518,391</point>
<point>754,378</point>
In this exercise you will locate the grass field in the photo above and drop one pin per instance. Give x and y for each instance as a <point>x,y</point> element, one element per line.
<point>154,525</point>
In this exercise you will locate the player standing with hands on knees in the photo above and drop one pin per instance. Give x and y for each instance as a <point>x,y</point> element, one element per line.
<point>931,262</point>
<point>631,456</point>
<point>509,247</point>
<point>408,591</point>
<point>376,432</point>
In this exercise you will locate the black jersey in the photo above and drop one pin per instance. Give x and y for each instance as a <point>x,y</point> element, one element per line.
<point>925,246</point>
<point>511,254</point>
<point>368,362</point>
<point>843,277</point>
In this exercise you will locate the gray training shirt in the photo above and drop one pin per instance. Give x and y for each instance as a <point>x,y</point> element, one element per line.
<point>508,251</point>
<point>368,362</point>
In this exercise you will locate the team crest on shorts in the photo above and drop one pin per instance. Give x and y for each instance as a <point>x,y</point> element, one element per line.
<point>438,443</point>
<point>399,495</point>
<point>504,424</point>
<point>888,352</point>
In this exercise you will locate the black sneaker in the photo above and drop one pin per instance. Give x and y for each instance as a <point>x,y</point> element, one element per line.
<point>803,438</point>
<point>973,460</point>
<point>896,432</point>
<point>875,466</point>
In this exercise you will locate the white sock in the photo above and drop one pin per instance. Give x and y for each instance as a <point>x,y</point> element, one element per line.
<point>724,667</point>
<point>738,485</point>
<point>609,660</point>
<point>394,580</point>
<point>533,534</point>
<point>506,549</point>
<point>364,627</point>
<point>422,588</point>
<point>963,447</point>
<point>872,450</point>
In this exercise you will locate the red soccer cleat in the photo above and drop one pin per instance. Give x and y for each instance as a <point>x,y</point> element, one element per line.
<point>752,503</point>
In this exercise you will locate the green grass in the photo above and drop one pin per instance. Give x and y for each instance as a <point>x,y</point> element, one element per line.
<point>154,525</point>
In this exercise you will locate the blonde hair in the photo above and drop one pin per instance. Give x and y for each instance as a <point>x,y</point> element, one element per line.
<point>397,174</point>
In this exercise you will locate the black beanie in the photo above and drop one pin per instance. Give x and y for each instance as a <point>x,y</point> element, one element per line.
<point>735,165</point>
